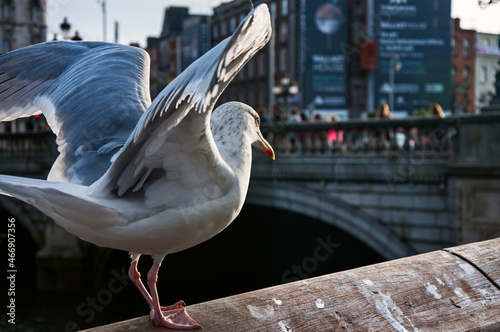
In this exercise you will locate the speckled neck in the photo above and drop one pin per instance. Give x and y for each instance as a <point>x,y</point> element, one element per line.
<point>230,132</point>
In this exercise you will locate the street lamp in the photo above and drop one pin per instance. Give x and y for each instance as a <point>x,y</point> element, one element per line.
<point>104,31</point>
<point>287,88</point>
<point>394,65</point>
<point>65,28</point>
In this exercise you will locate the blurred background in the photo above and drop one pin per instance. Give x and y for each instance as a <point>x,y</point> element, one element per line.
<point>384,116</point>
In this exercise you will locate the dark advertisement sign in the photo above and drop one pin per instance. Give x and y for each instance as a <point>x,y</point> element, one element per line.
<point>324,30</point>
<point>414,58</point>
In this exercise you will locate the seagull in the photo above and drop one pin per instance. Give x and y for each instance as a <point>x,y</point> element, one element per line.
<point>150,178</point>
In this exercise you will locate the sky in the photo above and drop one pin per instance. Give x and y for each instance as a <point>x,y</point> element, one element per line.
<point>140,19</point>
<point>137,19</point>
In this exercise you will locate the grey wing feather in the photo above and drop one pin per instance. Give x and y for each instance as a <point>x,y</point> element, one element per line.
<point>91,93</point>
<point>194,92</point>
<point>25,72</point>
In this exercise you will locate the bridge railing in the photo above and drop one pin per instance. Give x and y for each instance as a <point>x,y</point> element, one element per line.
<point>428,137</point>
<point>27,153</point>
<point>462,138</point>
<point>27,144</point>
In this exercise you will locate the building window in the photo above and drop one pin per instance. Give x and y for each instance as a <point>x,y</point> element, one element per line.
<point>232,24</point>
<point>7,9</point>
<point>7,41</point>
<point>242,75</point>
<point>466,48</point>
<point>36,13</point>
<point>453,46</point>
<point>251,68</point>
<point>283,60</point>
<point>284,7</point>
<point>215,31</point>
<point>233,93</point>
<point>272,9</point>
<point>252,96</point>
<point>493,75</point>
<point>483,74</point>
<point>465,76</point>
<point>453,73</point>
<point>223,29</point>
<point>241,95</point>
<point>261,71</point>
<point>261,97</point>
<point>283,32</point>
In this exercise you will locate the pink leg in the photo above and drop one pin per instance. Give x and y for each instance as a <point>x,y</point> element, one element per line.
<point>135,276</point>
<point>176,318</point>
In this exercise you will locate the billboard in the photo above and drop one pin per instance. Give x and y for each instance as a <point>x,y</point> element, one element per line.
<point>414,57</point>
<point>324,26</point>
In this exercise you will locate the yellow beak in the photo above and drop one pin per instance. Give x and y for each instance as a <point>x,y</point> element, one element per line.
<point>263,145</point>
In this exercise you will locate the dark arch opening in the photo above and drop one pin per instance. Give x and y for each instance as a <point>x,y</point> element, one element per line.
<point>22,273</point>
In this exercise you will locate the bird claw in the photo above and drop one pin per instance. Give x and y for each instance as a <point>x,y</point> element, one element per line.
<point>177,305</point>
<point>177,319</point>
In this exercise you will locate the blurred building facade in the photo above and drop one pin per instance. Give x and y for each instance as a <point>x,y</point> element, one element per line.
<point>22,23</point>
<point>346,57</point>
<point>463,69</point>
<point>253,85</point>
<point>183,39</point>
<point>196,38</point>
<point>487,65</point>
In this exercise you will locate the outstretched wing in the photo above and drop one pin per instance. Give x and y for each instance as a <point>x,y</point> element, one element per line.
<point>174,134</point>
<point>91,93</point>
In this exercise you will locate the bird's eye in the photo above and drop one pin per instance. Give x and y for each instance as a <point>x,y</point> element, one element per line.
<point>257,121</point>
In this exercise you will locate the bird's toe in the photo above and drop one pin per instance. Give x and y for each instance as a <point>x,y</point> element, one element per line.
<point>176,319</point>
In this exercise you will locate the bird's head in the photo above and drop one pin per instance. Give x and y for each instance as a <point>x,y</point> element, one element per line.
<point>234,117</point>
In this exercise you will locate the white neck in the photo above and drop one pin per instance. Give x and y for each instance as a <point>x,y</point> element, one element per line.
<point>231,139</point>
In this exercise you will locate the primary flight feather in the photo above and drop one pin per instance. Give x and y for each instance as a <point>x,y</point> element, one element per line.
<point>146,177</point>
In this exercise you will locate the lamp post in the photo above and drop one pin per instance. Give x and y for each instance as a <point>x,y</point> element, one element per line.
<point>65,28</point>
<point>104,30</point>
<point>394,65</point>
<point>287,88</point>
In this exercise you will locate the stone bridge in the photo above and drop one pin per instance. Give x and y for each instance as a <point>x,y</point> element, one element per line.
<point>399,186</point>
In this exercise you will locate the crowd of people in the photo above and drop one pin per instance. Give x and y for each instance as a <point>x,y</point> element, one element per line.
<point>332,138</point>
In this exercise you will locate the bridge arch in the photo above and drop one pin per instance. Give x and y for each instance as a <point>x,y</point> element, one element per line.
<point>312,202</point>
<point>29,217</point>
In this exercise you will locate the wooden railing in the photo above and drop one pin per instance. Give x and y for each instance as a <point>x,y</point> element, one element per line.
<point>455,289</point>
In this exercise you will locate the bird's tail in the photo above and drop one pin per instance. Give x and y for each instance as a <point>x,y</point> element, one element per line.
<point>63,202</point>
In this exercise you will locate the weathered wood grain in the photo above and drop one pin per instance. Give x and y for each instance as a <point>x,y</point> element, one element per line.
<point>437,291</point>
<point>484,255</point>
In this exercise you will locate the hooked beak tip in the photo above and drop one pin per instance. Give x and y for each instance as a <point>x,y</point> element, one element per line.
<point>270,153</point>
